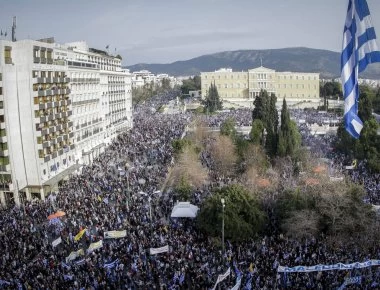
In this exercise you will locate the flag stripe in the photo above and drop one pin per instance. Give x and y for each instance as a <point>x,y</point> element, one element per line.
<point>359,50</point>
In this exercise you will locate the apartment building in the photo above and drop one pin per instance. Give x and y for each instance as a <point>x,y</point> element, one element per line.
<point>60,105</point>
<point>245,86</point>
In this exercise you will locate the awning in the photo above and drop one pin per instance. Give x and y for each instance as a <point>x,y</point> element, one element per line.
<point>55,179</point>
<point>184,209</point>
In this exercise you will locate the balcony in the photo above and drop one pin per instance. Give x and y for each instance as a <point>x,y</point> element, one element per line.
<point>5,168</point>
<point>45,131</point>
<point>43,60</point>
<point>4,153</point>
<point>46,144</point>
<point>70,124</point>
<point>59,139</point>
<point>72,147</point>
<point>71,135</point>
<point>41,80</point>
<point>49,61</point>
<point>36,60</point>
<point>3,139</point>
<point>60,152</point>
<point>41,93</point>
<point>46,158</point>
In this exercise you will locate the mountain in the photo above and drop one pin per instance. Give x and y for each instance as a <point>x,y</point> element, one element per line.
<point>295,59</point>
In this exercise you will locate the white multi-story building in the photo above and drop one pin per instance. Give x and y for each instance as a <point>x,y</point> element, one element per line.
<point>60,105</point>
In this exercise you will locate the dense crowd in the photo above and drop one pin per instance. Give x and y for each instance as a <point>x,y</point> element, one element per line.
<point>322,146</point>
<point>121,191</point>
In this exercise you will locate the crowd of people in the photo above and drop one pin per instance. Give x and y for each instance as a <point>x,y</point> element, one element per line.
<point>322,146</point>
<point>120,191</point>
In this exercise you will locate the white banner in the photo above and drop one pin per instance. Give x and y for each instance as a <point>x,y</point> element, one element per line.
<point>95,246</point>
<point>115,234</point>
<point>56,242</point>
<point>338,266</point>
<point>237,285</point>
<point>222,277</point>
<point>154,251</point>
<point>74,255</point>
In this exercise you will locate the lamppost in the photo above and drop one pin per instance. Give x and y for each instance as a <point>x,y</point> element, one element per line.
<point>223,205</point>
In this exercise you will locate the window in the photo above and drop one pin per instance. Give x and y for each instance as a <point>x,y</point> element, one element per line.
<point>8,54</point>
<point>225,86</point>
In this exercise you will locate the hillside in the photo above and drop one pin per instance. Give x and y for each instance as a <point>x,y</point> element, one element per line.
<point>297,59</point>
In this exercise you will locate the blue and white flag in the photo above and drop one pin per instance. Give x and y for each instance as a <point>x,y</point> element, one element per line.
<point>112,264</point>
<point>68,277</point>
<point>3,282</point>
<point>359,50</point>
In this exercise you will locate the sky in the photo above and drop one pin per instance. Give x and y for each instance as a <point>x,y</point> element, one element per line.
<point>164,31</point>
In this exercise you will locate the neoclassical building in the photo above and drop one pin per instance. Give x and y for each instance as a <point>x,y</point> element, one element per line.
<point>245,86</point>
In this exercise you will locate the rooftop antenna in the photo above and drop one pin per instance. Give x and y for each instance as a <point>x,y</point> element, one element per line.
<point>14,29</point>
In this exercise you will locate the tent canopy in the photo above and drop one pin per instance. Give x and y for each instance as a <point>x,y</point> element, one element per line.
<point>184,209</point>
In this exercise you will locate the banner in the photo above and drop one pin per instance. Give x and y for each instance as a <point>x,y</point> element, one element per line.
<point>349,281</point>
<point>115,234</point>
<point>154,251</point>
<point>74,255</point>
<point>79,235</point>
<point>56,242</point>
<point>237,285</point>
<point>338,266</point>
<point>95,246</point>
<point>222,277</point>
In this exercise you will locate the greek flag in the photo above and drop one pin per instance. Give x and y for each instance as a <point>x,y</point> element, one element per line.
<point>112,264</point>
<point>359,50</point>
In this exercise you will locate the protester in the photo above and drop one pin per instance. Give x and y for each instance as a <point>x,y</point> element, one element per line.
<point>121,191</point>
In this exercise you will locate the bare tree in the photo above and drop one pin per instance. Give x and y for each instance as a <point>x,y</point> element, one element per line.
<point>223,155</point>
<point>189,167</point>
<point>302,224</point>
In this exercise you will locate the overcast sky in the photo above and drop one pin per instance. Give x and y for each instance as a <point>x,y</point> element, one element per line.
<point>162,31</point>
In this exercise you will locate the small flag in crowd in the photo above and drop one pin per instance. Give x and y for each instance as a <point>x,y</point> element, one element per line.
<point>359,50</point>
<point>112,264</point>
<point>181,278</point>
<point>79,235</point>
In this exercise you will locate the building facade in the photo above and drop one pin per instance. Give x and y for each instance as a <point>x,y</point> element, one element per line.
<point>245,86</point>
<point>60,105</point>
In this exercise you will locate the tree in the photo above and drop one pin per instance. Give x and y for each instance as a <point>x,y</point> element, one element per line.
<point>212,100</point>
<point>243,217</point>
<point>257,132</point>
<point>224,158</point>
<point>289,138</point>
<point>191,84</point>
<point>271,141</point>
<point>188,172</point>
<point>376,102</point>
<point>165,84</point>
<point>302,224</point>
<point>227,128</point>
<point>260,107</point>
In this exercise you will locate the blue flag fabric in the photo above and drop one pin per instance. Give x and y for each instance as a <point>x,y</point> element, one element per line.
<point>359,50</point>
